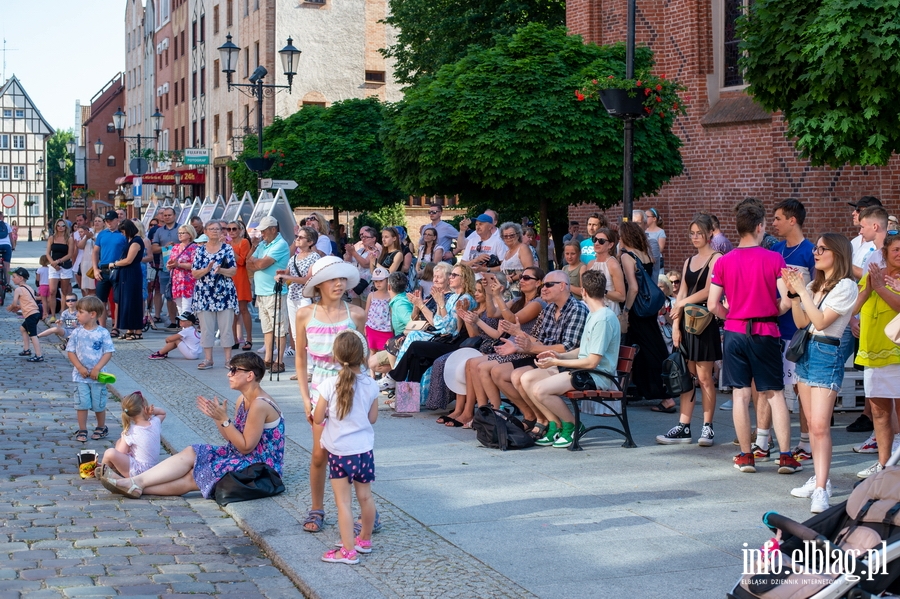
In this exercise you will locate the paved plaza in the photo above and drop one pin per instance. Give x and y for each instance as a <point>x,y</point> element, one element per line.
<point>459,520</point>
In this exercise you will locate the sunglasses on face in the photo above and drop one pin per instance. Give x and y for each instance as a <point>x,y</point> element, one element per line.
<point>454,275</point>
<point>550,284</point>
<point>512,236</point>
<point>312,218</point>
<point>601,240</point>
<point>433,212</point>
<point>233,369</point>
<point>71,301</point>
<point>231,229</point>
<point>528,278</point>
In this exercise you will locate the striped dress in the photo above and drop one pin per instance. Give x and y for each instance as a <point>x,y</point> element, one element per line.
<point>320,338</point>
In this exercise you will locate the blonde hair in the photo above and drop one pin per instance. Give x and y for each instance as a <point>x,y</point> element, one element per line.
<point>142,232</point>
<point>132,406</point>
<point>192,233</point>
<point>44,261</point>
<point>350,352</point>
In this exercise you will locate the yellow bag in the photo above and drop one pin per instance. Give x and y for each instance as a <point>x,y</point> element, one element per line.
<point>90,273</point>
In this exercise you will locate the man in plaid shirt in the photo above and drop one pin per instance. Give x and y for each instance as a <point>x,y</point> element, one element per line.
<point>559,329</point>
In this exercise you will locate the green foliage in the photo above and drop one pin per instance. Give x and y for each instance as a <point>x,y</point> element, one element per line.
<point>432,33</point>
<point>393,215</point>
<point>831,66</point>
<point>365,219</point>
<point>59,183</point>
<point>503,127</point>
<point>658,94</point>
<point>332,153</point>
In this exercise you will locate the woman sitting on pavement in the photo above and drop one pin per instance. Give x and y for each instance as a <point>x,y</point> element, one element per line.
<point>413,361</point>
<point>599,350</point>
<point>256,435</point>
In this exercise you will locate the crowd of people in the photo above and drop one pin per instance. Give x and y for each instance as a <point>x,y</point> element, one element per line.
<point>476,308</point>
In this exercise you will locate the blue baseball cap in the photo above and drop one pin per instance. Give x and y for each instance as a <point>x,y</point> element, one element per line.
<point>484,218</point>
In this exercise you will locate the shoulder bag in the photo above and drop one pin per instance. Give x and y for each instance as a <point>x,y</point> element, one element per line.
<point>796,349</point>
<point>650,299</point>
<point>697,317</point>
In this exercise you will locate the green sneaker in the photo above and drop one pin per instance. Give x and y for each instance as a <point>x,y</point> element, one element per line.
<point>564,439</point>
<point>549,437</point>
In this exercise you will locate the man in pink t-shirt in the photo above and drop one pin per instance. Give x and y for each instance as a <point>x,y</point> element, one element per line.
<point>750,278</point>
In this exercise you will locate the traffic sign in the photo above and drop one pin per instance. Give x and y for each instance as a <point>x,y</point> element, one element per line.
<point>9,200</point>
<point>196,156</point>
<point>137,203</point>
<point>265,183</point>
<point>137,187</point>
<point>139,166</point>
<point>283,184</point>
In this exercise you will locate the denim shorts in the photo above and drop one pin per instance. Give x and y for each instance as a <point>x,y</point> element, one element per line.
<point>359,467</point>
<point>822,365</point>
<point>90,396</point>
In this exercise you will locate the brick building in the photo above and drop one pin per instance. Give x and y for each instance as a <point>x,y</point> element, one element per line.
<point>96,126</point>
<point>732,147</point>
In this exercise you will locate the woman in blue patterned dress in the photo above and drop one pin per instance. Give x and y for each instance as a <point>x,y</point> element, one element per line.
<point>256,435</point>
<point>215,296</point>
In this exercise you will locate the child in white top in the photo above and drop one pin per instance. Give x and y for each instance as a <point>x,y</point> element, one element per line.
<point>187,340</point>
<point>42,276</point>
<point>137,450</point>
<point>67,322</point>
<point>349,402</point>
<point>378,311</point>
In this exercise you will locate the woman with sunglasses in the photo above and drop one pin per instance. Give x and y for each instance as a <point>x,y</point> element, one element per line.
<point>317,221</point>
<point>256,435</point>
<point>656,238</point>
<point>604,241</point>
<point>517,257</point>
<point>702,350</point>
<point>61,252</point>
<point>643,331</point>
<point>236,235</point>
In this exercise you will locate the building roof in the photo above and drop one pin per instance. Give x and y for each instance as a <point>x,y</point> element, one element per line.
<point>14,85</point>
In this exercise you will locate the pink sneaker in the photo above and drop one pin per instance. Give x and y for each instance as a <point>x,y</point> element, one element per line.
<point>360,545</point>
<point>341,556</point>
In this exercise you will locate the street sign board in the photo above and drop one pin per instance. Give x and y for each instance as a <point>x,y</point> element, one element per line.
<point>139,166</point>
<point>265,183</point>
<point>196,156</point>
<point>137,203</point>
<point>9,200</point>
<point>282,184</point>
<point>137,187</point>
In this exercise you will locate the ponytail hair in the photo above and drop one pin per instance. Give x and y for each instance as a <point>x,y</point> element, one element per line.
<point>132,405</point>
<point>350,352</point>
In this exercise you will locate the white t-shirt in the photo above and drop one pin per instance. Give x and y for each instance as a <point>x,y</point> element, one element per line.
<point>78,236</point>
<point>875,256</point>
<point>861,250</point>
<point>354,434</point>
<point>323,243</point>
<point>492,245</point>
<point>143,442</point>
<point>190,342</point>
<point>841,299</point>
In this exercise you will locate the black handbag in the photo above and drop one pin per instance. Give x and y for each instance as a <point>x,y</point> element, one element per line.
<point>677,378</point>
<point>797,347</point>
<point>113,274</point>
<point>253,482</point>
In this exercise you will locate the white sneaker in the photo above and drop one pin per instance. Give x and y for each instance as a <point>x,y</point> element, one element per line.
<point>806,491</point>
<point>288,353</point>
<point>706,436</point>
<point>386,383</point>
<point>873,469</point>
<point>818,501</point>
<point>726,406</point>
<point>870,445</point>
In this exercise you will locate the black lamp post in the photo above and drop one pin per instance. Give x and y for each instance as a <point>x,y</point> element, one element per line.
<point>156,120</point>
<point>289,57</point>
<point>98,148</point>
<point>177,177</point>
<point>628,175</point>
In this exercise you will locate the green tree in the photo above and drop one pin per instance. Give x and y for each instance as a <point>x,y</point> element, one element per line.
<point>831,67</point>
<point>503,127</point>
<point>432,33</point>
<point>332,153</point>
<point>61,179</point>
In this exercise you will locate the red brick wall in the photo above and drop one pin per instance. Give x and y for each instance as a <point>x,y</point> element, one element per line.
<point>723,163</point>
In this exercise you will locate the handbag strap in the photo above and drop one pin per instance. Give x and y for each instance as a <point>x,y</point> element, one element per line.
<point>702,270</point>
<point>821,301</point>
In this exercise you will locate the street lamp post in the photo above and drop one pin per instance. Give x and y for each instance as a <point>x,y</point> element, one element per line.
<point>98,148</point>
<point>138,166</point>
<point>289,56</point>
<point>628,175</point>
<point>177,177</point>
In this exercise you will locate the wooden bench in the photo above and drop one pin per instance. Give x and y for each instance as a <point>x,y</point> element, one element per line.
<point>621,380</point>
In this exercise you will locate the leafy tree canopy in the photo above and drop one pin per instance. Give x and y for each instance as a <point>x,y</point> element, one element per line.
<point>504,126</point>
<point>332,153</point>
<point>833,68</point>
<point>62,181</point>
<point>433,33</point>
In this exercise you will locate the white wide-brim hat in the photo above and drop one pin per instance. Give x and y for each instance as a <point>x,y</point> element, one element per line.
<point>455,369</point>
<point>327,269</point>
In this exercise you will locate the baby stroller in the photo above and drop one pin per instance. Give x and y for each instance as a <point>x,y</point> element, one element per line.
<point>849,551</point>
<point>152,287</point>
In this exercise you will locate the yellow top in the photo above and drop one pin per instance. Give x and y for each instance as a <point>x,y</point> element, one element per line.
<point>875,349</point>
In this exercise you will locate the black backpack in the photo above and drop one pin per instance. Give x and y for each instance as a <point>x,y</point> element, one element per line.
<point>498,430</point>
<point>677,379</point>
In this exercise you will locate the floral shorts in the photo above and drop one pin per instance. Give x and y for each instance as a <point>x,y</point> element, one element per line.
<point>359,467</point>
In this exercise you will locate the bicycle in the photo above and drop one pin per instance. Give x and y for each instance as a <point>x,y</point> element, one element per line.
<point>4,283</point>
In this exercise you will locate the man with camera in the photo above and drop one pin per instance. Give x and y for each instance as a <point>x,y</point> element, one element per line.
<point>270,254</point>
<point>484,246</point>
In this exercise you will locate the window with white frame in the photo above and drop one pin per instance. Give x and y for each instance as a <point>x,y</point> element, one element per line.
<point>18,172</point>
<point>4,141</point>
<point>7,113</point>
<point>14,211</point>
<point>4,172</point>
<point>20,113</point>
<point>18,142</point>
<point>35,208</point>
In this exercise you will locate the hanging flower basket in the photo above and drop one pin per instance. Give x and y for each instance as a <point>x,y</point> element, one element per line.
<point>259,165</point>
<point>645,95</point>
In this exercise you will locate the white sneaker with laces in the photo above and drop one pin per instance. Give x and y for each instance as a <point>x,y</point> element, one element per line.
<point>818,501</point>
<point>873,469</point>
<point>386,383</point>
<point>870,445</point>
<point>806,491</point>
<point>288,353</point>
<point>706,436</point>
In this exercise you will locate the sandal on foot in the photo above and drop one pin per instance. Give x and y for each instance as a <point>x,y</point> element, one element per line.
<point>443,419</point>
<point>468,424</point>
<point>314,518</point>
<point>528,424</point>
<point>452,423</point>
<point>133,492</point>
<point>25,352</point>
<point>357,526</point>
<point>247,346</point>
<point>539,433</point>
<point>81,436</point>
<point>100,432</point>
<point>663,409</point>
<point>114,333</point>
<point>236,345</point>
<point>204,365</point>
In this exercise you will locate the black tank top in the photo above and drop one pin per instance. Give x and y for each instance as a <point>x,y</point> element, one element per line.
<point>58,250</point>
